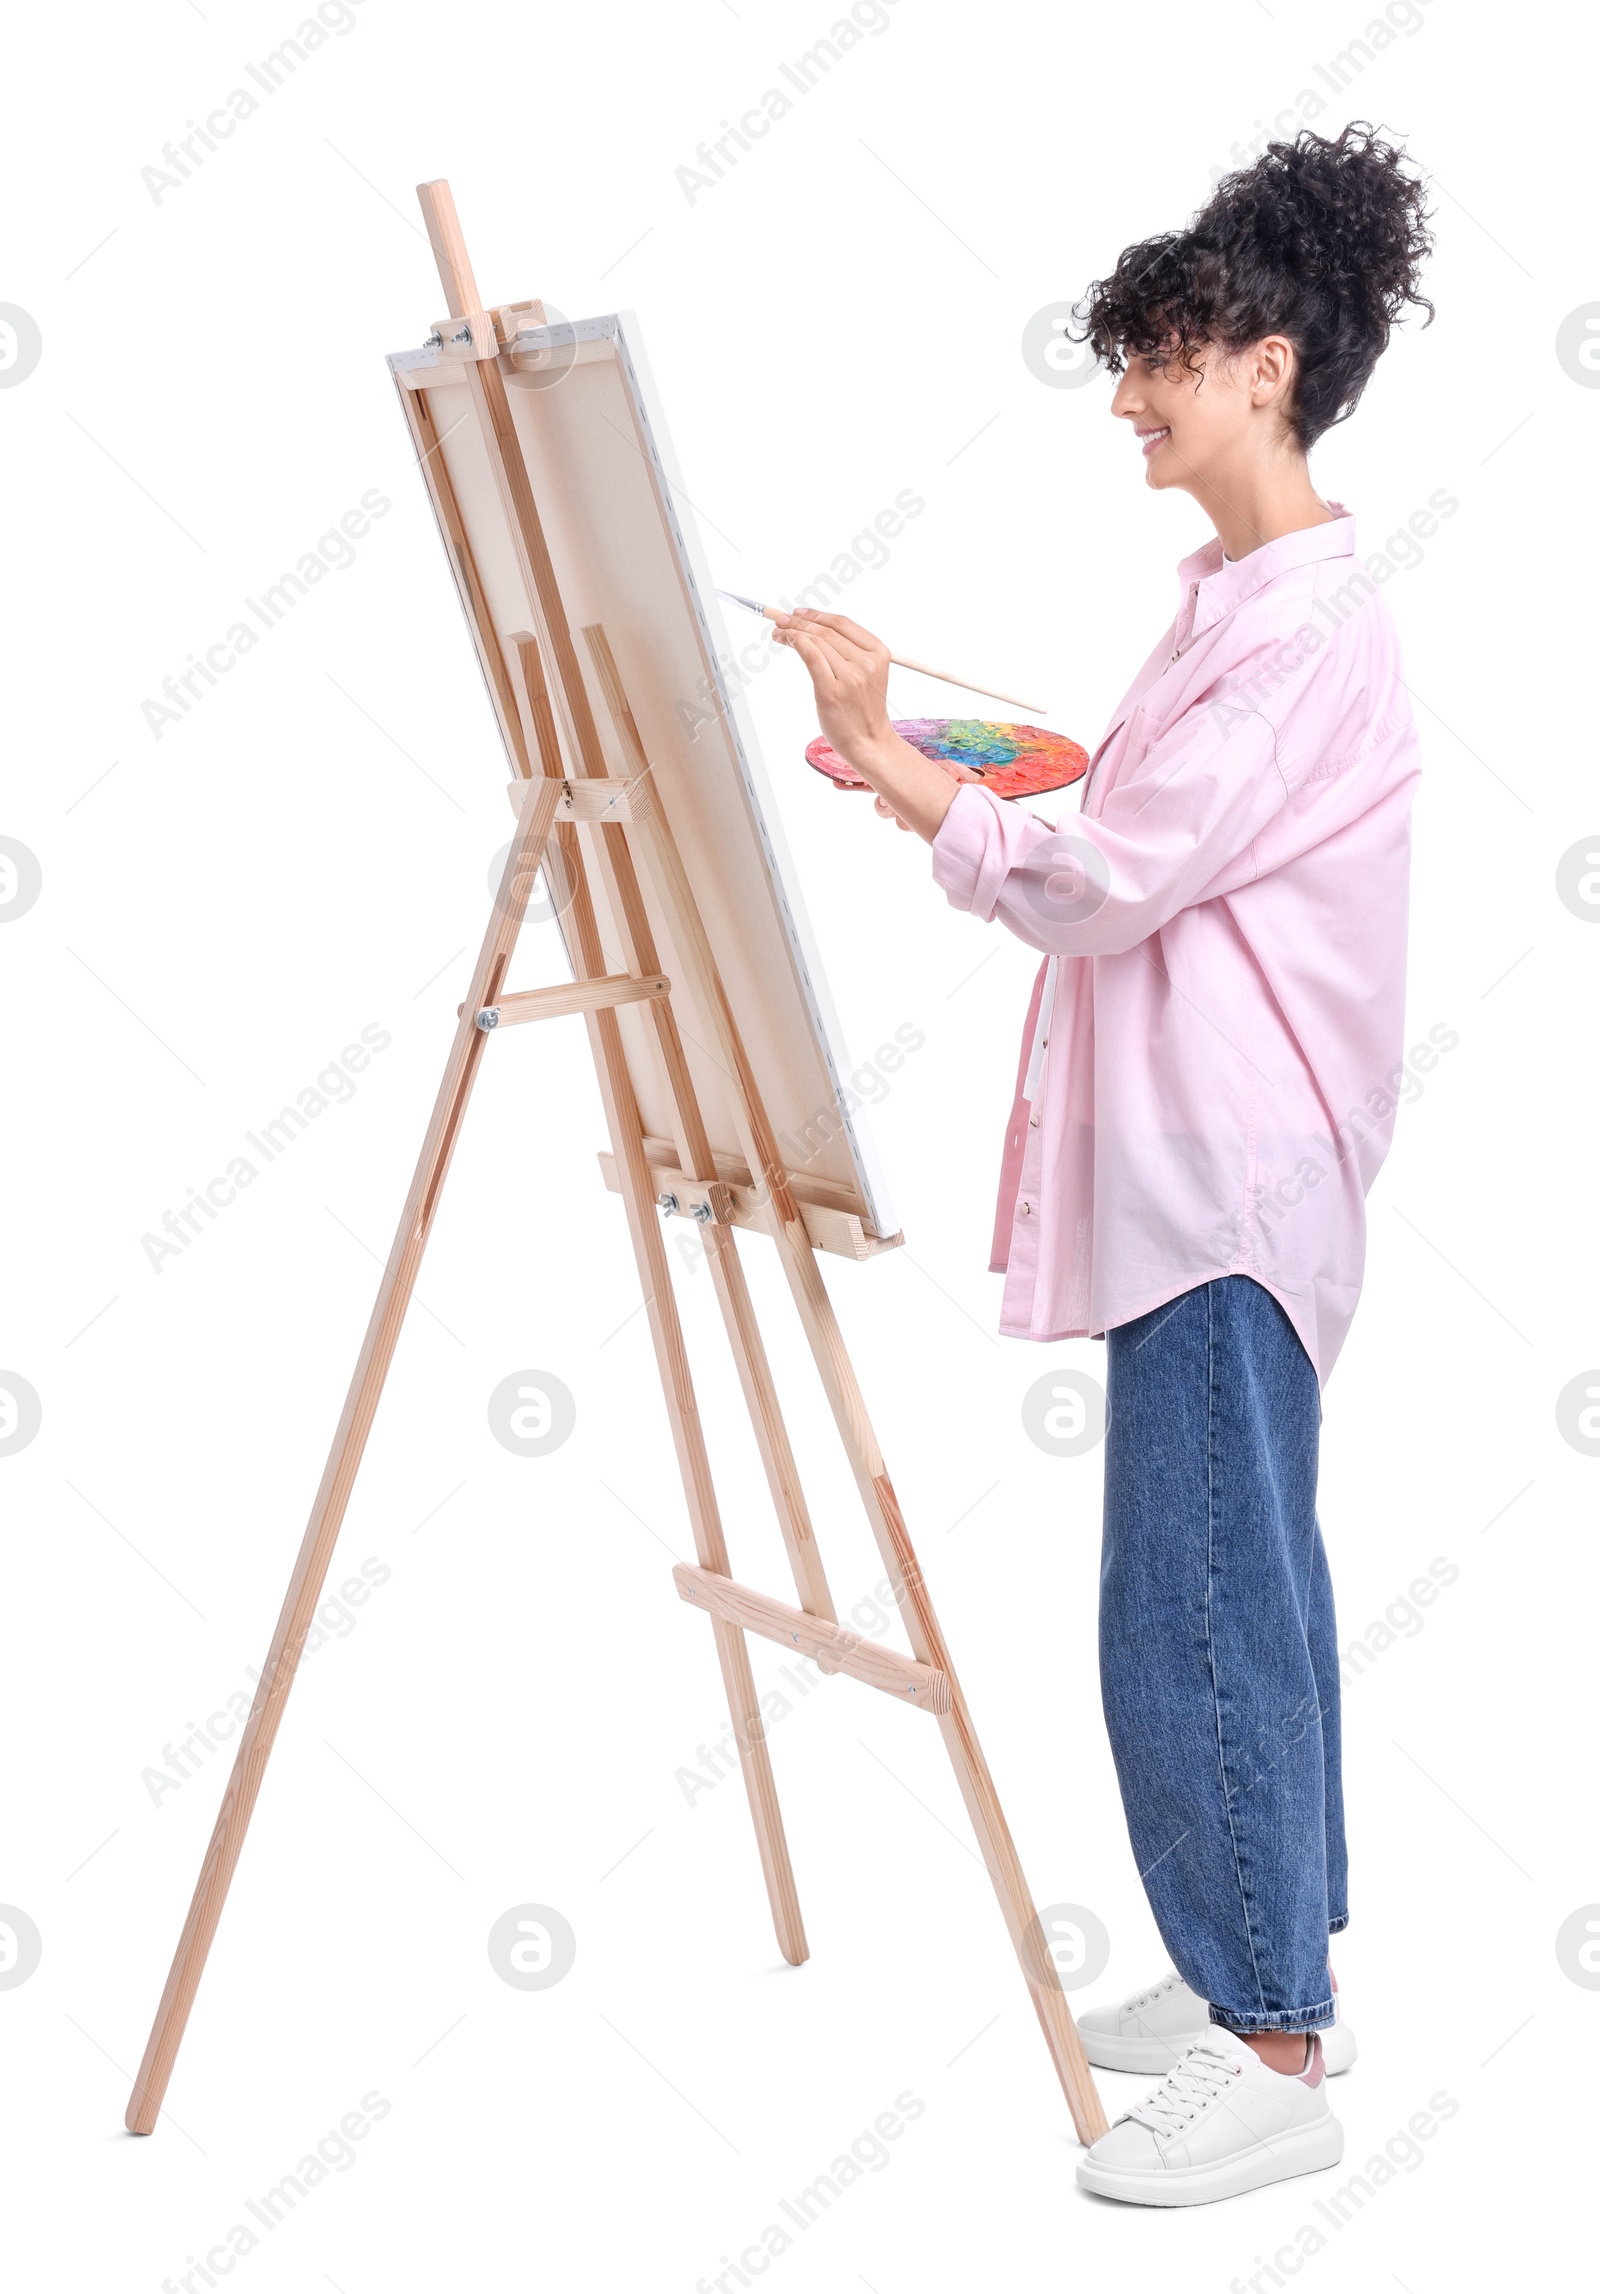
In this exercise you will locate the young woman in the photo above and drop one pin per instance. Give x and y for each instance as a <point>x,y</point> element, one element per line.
<point>1206,1090</point>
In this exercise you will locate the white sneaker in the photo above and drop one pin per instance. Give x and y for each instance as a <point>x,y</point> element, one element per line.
<point>1150,2030</point>
<point>1219,2123</point>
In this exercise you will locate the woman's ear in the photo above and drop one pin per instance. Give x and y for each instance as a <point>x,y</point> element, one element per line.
<point>1272,370</point>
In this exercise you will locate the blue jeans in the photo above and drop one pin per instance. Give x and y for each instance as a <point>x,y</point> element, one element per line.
<point>1219,1671</point>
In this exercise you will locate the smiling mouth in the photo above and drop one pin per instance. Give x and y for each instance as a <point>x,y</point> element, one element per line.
<point>1149,440</point>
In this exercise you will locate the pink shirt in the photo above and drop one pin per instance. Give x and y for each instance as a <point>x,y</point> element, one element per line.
<point>1213,1052</point>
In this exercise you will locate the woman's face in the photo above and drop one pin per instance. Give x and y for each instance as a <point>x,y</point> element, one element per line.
<point>1194,424</point>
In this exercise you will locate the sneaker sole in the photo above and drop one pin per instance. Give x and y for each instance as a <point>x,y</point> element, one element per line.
<point>1304,2151</point>
<point>1109,2051</point>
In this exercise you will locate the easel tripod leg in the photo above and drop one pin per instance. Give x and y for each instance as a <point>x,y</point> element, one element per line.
<point>849,1408</point>
<point>927,1641</point>
<point>565,872</point>
<point>569,884</point>
<point>322,1531</point>
<point>688,1438</point>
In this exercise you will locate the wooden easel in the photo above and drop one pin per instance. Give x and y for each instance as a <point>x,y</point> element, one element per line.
<point>536,682</point>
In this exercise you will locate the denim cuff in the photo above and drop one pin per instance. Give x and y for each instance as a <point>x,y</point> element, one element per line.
<point>1291,2019</point>
<point>1338,1922</point>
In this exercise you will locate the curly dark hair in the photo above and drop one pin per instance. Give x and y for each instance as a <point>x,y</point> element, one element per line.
<point>1322,240</point>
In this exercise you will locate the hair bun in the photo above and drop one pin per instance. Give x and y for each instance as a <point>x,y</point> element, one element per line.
<point>1344,212</point>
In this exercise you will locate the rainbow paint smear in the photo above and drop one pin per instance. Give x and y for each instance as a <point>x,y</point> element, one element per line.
<point>1010,760</point>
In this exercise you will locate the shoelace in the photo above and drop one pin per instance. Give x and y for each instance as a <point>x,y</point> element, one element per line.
<point>1144,1998</point>
<point>1187,2088</point>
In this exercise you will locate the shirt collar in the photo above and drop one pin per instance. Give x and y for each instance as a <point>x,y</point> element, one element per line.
<point>1220,587</point>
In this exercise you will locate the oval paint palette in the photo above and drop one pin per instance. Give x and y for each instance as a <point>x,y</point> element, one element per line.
<point>1012,760</point>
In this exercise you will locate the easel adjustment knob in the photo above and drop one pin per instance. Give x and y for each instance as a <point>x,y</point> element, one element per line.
<point>711,1205</point>
<point>489,1017</point>
<point>468,335</point>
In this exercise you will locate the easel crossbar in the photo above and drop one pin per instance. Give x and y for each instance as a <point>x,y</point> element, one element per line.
<point>577,996</point>
<point>835,1649</point>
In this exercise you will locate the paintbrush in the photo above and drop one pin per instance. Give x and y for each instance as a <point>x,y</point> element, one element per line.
<point>901,660</point>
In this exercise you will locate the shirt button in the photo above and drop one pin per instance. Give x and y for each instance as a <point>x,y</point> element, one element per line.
<point>1033,1122</point>
<point>1023,1209</point>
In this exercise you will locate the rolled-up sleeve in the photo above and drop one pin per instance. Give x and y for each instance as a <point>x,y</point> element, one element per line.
<point>1100,883</point>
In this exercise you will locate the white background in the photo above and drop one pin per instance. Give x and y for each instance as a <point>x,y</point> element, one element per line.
<point>222,910</point>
